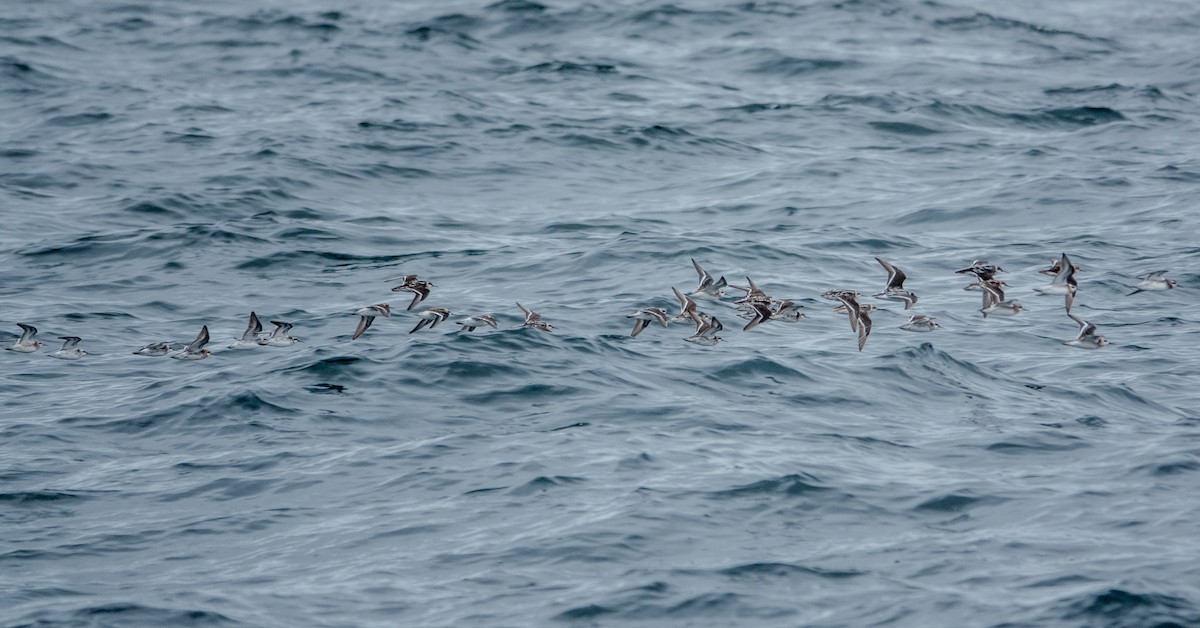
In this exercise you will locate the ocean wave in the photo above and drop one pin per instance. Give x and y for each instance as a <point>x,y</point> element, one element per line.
<point>987,21</point>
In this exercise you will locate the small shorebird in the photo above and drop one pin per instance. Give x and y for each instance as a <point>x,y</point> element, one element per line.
<point>154,349</point>
<point>787,311</point>
<point>687,307</point>
<point>479,320</point>
<point>431,317</point>
<point>859,320</point>
<point>708,285</point>
<point>28,342</point>
<point>251,337</point>
<point>367,316</point>
<point>979,283</point>
<point>762,313</point>
<point>864,308</point>
<point>195,349</point>
<point>706,330</point>
<point>920,322</point>
<point>643,317</point>
<point>1063,283</point>
<point>1087,338</point>
<point>419,288</point>
<point>994,303</point>
<point>534,320</point>
<point>982,269</point>
<point>1154,281</point>
<point>754,294</point>
<point>1055,267</point>
<point>70,349</point>
<point>894,290</point>
<point>279,337</point>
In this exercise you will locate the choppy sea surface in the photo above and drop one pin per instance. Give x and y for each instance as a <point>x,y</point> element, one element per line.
<point>168,165</point>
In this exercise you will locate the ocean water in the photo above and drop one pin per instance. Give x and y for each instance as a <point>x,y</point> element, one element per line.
<point>169,165</point>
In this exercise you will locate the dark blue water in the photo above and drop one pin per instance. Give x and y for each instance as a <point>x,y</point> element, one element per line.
<point>169,165</point>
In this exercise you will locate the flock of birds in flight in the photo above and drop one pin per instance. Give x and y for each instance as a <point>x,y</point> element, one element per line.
<point>755,305</point>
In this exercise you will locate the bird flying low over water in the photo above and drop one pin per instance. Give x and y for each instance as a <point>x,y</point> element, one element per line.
<point>70,349</point>
<point>706,330</point>
<point>250,338</point>
<point>1087,338</point>
<point>279,337</point>
<point>643,317</point>
<point>28,342</point>
<point>367,316</point>
<point>1056,267</point>
<point>761,313</point>
<point>754,294</point>
<point>534,320</point>
<point>1154,281</point>
<point>982,269</point>
<point>195,349</point>
<point>419,287</point>
<point>859,320</point>
<point>687,307</point>
<point>994,303</point>
<point>787,311</point>
<point>894,290</point>
<point>431,317</point>
<point>920,322</point>
<point>479,320</point>
<point>1063,282</point>
<point>708,286</point>
<point>154,349</point>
